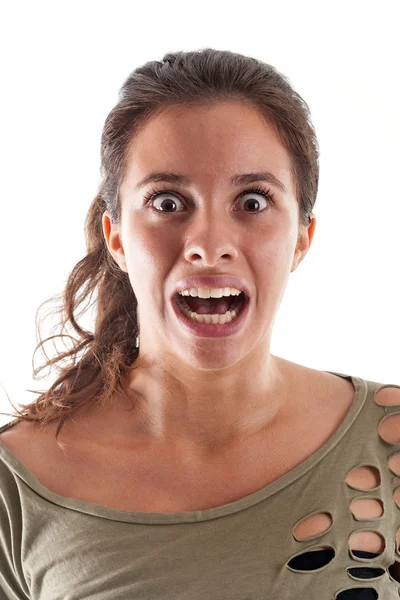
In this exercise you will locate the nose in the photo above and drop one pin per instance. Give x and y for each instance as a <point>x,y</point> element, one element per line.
<point>209,243</point>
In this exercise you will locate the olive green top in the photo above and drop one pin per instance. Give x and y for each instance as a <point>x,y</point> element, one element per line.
<point>58,548</point>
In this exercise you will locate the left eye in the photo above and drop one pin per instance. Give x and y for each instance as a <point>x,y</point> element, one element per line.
<point>252,198</point>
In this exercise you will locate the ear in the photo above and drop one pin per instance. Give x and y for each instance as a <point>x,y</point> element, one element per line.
<point>112,236</point>
<point>304,241</point>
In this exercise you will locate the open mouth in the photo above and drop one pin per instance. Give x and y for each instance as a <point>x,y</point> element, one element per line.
<point>211,310</point>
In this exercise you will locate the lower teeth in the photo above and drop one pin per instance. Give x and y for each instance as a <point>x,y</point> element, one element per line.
<point>214,319</point>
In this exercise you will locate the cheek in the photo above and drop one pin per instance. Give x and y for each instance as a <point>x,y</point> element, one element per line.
<point>148,259</point>
<point>146,241</point>
<point>143,244</point>
<point>270,261</point>
<point>273,249</point>
<point>143,258</point>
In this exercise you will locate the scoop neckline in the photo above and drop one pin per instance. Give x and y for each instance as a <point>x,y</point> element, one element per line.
<point>155,518</point>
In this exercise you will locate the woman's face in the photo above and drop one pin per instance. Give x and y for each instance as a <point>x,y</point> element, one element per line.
<point>205,227</point>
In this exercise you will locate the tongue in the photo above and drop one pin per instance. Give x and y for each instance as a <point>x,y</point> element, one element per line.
<point>210,306</point>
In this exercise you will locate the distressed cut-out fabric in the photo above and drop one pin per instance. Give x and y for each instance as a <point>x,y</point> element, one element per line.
<point>58,548</point>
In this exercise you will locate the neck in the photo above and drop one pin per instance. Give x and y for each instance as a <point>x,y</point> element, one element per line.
<point>201,414</point>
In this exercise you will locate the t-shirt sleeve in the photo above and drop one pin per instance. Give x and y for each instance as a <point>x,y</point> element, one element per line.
<point>13,585</point>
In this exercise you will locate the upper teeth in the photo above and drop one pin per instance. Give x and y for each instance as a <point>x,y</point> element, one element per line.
<point>210,293</point>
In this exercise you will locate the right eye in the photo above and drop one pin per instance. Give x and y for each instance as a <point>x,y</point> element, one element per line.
<point>153,195</point>
<point>165,202</point>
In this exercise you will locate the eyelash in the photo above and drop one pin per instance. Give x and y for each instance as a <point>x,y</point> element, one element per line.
<point>268,195</point>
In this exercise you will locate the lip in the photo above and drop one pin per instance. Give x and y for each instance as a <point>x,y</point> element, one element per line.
<point>212,281</point>
<point>210,330</point>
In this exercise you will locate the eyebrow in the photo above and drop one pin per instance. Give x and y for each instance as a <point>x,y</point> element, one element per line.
<point>243,179</point>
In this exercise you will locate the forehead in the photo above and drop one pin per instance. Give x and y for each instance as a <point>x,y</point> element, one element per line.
<point>209,144</point>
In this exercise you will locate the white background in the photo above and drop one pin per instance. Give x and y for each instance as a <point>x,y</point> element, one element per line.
<point>62,64</point>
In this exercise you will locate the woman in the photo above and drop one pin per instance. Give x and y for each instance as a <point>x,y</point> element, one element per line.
<point>194,463</point>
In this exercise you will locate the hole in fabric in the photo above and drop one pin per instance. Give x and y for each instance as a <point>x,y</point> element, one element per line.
<point>365,572</point>
<point>312,559</point>
<point>366,508</point>
<point>396,496</point>
<point>364,478</point>
<point>313,525</point>
<point>389,428</point>
<point>394,463</point>
<point>394,571</point>
<point>388,396</point>
<point>357,594</point>
<point>367,540</point>
<point>363,554</point>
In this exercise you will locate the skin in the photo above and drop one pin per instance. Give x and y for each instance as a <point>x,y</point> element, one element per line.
<point>201,395</point>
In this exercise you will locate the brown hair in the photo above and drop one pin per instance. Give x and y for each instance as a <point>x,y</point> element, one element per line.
<point>98,361</point>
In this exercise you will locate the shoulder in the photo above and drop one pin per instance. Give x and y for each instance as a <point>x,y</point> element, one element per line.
<point>36,448</point>
<point>25,441</point>
<point>14,436</point>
